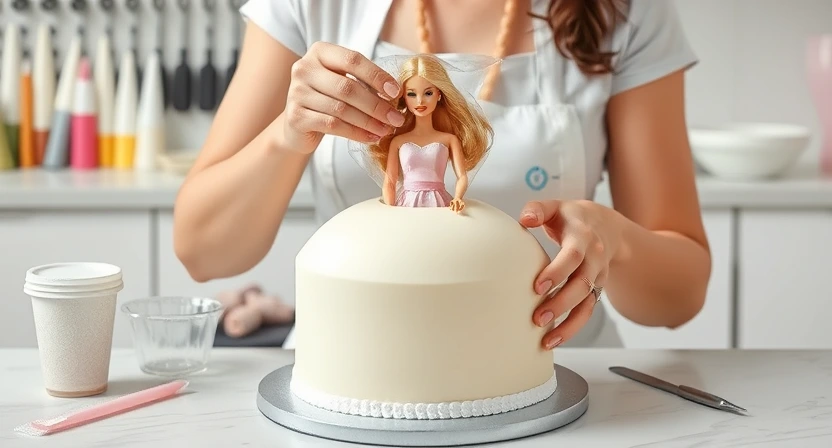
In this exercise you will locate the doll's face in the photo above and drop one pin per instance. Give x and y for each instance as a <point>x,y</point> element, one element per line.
<point>421,96</point>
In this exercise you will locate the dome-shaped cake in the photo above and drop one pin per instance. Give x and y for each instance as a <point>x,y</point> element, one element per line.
<point>420,313</point>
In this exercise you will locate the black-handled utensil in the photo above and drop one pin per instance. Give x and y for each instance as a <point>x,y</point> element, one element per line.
<point>208,74</point>
<point>181,89</point>
<point>160,40</point>
<point>235,49</point>
<point>133,7</point>
<point>80,8</point>
<point>50,6</point>
<point>107,6</point>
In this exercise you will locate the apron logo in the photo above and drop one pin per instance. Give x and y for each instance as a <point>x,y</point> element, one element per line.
<point>537,178</point>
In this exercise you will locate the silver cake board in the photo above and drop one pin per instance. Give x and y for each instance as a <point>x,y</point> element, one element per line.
<point>567,404</point>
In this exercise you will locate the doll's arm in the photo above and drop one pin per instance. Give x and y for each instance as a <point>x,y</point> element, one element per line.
<point>391,173</point>
<point>458,161</point>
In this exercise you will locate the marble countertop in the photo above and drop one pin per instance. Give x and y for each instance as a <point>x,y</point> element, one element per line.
<point>108,189</point>
<point>788,395</point>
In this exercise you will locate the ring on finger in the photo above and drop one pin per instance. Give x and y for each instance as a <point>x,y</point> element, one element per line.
<point>596,290</point>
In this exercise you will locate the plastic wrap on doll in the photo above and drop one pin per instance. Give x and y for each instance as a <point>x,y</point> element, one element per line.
<point>444,130</point>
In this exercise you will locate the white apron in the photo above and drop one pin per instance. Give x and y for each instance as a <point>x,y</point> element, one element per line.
<point>537,154</point>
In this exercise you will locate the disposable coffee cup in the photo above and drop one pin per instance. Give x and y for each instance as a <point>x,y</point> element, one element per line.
<point>74,307</point>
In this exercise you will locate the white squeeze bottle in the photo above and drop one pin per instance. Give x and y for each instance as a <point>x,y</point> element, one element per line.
<point>124,122</point>
<point>150,123</point>
<point>105,90</point>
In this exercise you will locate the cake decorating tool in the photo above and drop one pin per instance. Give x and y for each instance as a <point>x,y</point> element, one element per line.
<point>80,9</point>
<point>208,74</point>
<point>124,122</point>
<point>84,132</point>
<point>133,7</point>
<point>235,48</point>
<point>57,145</point>
<point>49,6</point>
<point>43,85</point>
<point>102,410</point>
<point>181,89</point>
<point>28,159</point>
<point>10,87</point>
<point>107,7</point>
<point>160,40</point>
<point>105,86</point>
<point>150,123</point>
<point>686,392</point>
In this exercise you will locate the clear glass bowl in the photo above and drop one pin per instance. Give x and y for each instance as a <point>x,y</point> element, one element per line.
<point>173,336</point>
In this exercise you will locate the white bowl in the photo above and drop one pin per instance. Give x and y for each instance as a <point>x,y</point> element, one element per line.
<point>748,151</point>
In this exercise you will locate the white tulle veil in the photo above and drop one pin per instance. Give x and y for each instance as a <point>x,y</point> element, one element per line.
<point>467,72</point>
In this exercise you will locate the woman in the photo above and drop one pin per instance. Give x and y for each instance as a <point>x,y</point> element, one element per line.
<point>583,86</point>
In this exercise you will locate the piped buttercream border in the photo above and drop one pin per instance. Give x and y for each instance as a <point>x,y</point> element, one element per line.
<point>423,411</point>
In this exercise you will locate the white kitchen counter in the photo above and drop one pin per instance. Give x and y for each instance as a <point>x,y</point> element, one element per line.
<point>102,189</point>
<point>28,189</point>
<point>788,394</point>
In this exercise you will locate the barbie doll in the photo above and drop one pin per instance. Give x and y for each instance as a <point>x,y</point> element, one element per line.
<point>440,125</point>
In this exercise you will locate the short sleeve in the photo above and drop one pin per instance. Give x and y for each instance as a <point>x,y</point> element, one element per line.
<point>281,19</point>
<point>655,45</point>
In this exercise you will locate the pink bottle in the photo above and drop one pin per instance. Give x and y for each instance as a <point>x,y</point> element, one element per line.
<point>819,71</point>
<point>84,127</point>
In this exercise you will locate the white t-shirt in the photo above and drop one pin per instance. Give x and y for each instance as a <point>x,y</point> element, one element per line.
<point>650,44</point>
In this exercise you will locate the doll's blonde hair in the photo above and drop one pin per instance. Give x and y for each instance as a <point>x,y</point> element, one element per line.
<point>453,114</point>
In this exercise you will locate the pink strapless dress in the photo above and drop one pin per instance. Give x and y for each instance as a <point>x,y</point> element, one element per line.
<point>423,175</point>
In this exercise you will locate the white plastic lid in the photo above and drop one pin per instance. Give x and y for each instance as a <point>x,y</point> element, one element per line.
<point>73,274</point>
<point>69,295</point>
<point>73,288</point>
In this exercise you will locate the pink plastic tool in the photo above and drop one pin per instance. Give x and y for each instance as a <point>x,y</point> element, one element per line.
<point>102,410</point>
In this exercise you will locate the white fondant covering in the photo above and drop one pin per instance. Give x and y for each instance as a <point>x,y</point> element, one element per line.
<point>419,305</point>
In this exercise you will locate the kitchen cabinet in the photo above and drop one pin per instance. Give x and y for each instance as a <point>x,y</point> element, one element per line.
<point>275,273</point>
<point>783,299</point>
<point>712,327</point>
<point>31,238</point>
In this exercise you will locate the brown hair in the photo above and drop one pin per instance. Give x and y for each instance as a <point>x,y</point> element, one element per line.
<point>580,28</point>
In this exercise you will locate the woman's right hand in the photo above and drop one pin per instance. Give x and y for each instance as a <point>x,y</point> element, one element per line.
<point>323,100</point>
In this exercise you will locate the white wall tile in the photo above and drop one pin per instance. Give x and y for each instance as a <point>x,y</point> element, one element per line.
<point>710,28</point>
<point>753,59</point>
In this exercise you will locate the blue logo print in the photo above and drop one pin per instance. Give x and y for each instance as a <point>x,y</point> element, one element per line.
<point>537,178</point>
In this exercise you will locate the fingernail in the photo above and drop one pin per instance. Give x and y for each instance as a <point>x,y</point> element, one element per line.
<point>391,89</point>
<point>529,214</point>
<point>372,137</point>
<point>554,342</point>
<point>544,287</point>
<point>395,118</point>
<point>545,318</point>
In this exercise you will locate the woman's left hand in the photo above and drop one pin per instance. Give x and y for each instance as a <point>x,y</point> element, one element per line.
<point>589,235</point>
